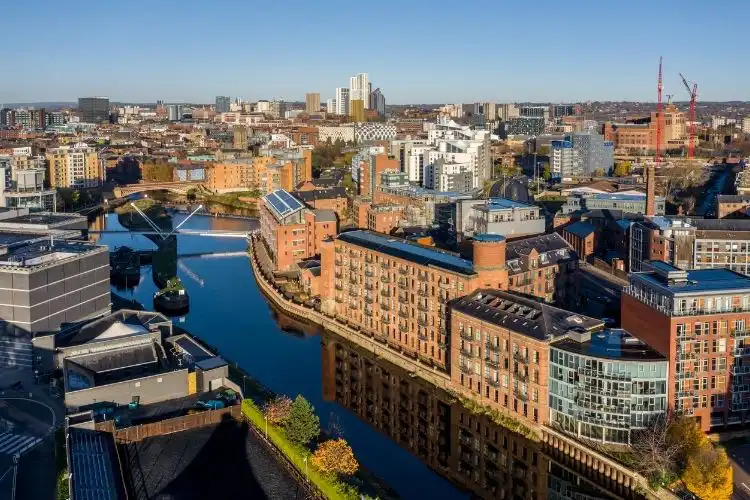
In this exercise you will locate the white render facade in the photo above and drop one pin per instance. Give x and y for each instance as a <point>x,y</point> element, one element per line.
<point>342,101</point>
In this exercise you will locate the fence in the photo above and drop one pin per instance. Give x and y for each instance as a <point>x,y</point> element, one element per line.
<point>177,424</point>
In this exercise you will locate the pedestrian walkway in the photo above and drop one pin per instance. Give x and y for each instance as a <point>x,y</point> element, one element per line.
<point>12,443</point>
<point>15,352</point>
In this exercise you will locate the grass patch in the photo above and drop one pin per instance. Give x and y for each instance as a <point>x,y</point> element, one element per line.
<point>61,466</point>
<point>330,487</point>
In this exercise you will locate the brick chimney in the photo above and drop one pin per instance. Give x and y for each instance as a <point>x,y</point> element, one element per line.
<point>650,197</point>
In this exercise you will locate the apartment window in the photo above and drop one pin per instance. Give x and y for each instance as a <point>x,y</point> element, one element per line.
<point>704,383</point>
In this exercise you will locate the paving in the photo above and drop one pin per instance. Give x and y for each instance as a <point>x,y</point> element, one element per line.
<point>217,461</point>
<point>739,455</point>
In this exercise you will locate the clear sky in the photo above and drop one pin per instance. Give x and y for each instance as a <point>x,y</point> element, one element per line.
<point>417,51</point>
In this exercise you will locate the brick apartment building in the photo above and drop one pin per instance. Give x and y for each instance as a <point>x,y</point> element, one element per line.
<point>370,172</point>
<point>290,231</point>
<point>398,292</point>
<point>333,198</point>
<point>500,349</point>
<point>582,237</point>
<point>384,218</point>
<point>699,320</point>
<point>732,206</point>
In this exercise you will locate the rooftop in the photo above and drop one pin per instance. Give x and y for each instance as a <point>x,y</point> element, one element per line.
<point>537,320</point>
<point>114,359</point>
<point>282,203</point>
<point>414,252</point>
<point>122,323</point>
<point>610,343</point>
<point>321,194</point>
<point>580,229</point>
<point>94,468</point>
<point>323,215</point>
<point>43,219</point>
<point>675,281</point>
<point>45,253</point>
<point>552,248</point>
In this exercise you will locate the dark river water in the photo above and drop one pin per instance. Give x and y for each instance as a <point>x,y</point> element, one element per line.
<point>418,460</point>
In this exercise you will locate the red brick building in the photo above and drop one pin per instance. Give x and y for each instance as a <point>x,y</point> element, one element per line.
<point>582,237</point>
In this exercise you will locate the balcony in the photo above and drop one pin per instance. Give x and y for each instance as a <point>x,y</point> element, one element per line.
<point>422,321</point>
<point>353,280</point>
<point>403,299</point>
<point>385,279</point>
<point>520,395</point>
<point>385,306</point>
<point>740,333</point>
<point>422,292</point>
<point>492,382</point>
<point>403,285</point>
<point>338,250</point>
<point>467,369</point>
<point>442,299</point>
<point>403,328</point>
<point>422,337</point>
<point>369,286</point>
<point>385,320</point>
<point>422,307</point>
<point>338,262</point>
<point>492,363</point>
<point>403,313</point>
<point>338,275</point>
<point>338,286</point>
<point>339,299</point>
<point>384,266</point>
<point>353,292</point>
<point>492,347</point>
<point>520,357</point>
<point>369,259</point>
<point>352,305</point>
<point>468,354</point>
<point>422,276</point>
<point>740,369</point>
<point>369,300</point>
<point>741,351</point>
<point>369,273</point>
<point>403,271</point>
<point>368,312</point>
<point>385,292</point>
<point>589,372</point>
<point>466,335</point>
<point>521,376</point>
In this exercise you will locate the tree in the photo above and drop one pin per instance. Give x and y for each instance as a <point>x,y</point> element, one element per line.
<point>192,194</point>
<point>335,456</point>
<point>685,432</point>
<point>622,169</point>
<point>599,172</point>
<point>303,425</point>
<point>708,473</point>
<point>278,410</point>
<point>657,455</point>
<point>547,173</point>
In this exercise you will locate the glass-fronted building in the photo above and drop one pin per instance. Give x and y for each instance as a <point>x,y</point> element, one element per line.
<point>605,385</point>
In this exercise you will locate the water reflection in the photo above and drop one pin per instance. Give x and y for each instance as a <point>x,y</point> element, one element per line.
<point>468,449</point>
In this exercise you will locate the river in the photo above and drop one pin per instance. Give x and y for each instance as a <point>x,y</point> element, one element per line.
<point>228,311</point>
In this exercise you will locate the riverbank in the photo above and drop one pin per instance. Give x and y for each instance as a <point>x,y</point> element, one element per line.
<point>552,440</point>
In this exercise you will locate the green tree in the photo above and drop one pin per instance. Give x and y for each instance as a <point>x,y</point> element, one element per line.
<point>547,173</point>
<point>303,425</point>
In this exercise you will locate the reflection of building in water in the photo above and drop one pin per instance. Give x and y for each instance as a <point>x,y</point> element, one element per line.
<point>98,224</point>
<point>469,450</point>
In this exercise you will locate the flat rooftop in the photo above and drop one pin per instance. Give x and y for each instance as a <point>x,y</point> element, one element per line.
<point>504,204</point>
<point>214,461</point>
<point>407,250</point>
<point>610,343</point>
<point>520,314</point>
<point>94,467</point>
<point>46,253</point>
<point>698,281</point>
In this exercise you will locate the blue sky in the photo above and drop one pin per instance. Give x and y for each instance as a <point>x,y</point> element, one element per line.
<point>417,51</point>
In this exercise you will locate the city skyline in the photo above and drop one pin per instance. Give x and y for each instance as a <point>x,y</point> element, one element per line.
<point>573,64</point>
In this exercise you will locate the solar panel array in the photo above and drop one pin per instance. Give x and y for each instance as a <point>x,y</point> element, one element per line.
<point>283,203</point>
<point>91,466</point>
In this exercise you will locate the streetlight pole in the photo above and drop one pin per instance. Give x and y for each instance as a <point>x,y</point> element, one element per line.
<point>266,418</point>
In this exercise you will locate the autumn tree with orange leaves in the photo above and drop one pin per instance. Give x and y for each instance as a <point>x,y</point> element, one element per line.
<point>335,457</point>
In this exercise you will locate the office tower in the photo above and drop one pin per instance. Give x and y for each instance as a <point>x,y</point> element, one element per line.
<point>357,110</point>
<point>360,88</point>
<point>222,104</point>
<point>94,109</point>
<point>175,112</point>
<point>342,101</point>
<point>377,102</point>
<point>331,106</point>
<point>312,102</point>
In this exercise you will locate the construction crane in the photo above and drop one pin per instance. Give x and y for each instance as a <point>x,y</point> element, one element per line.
<point>659,109</point>
<point>693,96</point>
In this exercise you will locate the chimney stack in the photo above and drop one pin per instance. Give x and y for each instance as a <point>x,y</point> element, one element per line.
<point>650,197</point>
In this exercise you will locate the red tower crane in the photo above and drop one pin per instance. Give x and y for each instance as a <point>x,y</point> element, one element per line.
<point>659,110</point>
<point>693,96</point>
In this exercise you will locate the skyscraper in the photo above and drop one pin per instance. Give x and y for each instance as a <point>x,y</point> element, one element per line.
<point>94,109</point>
<point>377,102</point>
<point>357,110</point>
<point>342,101</point>
<point>222,104</point>
<point>312,102</point>
<point>331,106</point>
<point>360,88</point>
<point>175,112</point>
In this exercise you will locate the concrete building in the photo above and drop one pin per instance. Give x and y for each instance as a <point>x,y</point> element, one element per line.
<point>399,291</point>
<point>360,89</point>
<point>496,216</point>
<point>342,101</point>
<point>377,102</point>
<point>312,102</point>
<point>374,131</point>
<point>634,203</point>
<point>129,356</point>
<point>76,166</point>
<point>443,175</point>
<point>591,153</point>
<point>277,108</point>
<point>561,160</point>
<point>507,111</point>
<point>331,106</point>
<point>94,109</point>
<point>411,155</point>
<point>344,133</point>
<point>291,232</point>
<point>222,104</point>
<point>698,320</point>
<point>605,385</point>
<point>50,282</point>
<point>371,172</point>
<point>500,349</point>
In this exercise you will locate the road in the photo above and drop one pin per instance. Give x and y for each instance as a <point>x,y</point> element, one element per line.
<point>599,292</point>
<point>716,186</point>
<point>739,455</point>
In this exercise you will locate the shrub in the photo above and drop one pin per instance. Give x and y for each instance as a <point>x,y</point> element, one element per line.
<point>335,457</point>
